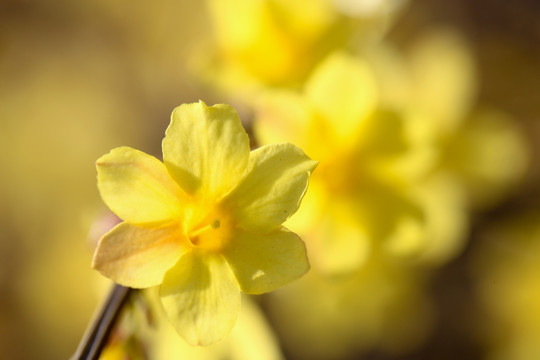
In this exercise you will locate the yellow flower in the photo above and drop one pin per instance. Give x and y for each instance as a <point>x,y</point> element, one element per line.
<point>360,196</point>
<point>206,222</point>
<point>278,42</point>
<point>438,79</point>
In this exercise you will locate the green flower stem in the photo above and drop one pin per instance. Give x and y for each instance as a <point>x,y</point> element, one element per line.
<point>97,334</point>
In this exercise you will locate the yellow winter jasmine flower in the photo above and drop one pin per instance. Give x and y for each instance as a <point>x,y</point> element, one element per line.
<point>206,222</point>
<point>438,79</point>
<point>403,157</point>
<point>435,78</point>
<point>361,195</point>
<point>278,42</point>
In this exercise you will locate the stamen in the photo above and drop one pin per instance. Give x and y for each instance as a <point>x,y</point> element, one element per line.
<point>213,225</point>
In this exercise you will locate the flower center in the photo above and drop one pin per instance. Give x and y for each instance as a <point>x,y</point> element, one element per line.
<point>212,233</point>
<point>342,175</point>
<point>213,225</point>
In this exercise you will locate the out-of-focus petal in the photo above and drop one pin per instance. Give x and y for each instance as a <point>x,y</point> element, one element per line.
<point>338,242</point>
<point>444,204</point>
<point>489,154</point>
<point>393,216</point>
<point>443,77</point>
<point>201,297</point>
<point>343,90</point>
<point>206,149</point>
<point>138,257</point>
<point>137,187</point>
<point>284,116</point>
<point>408,237</point>
<point>263,263</point>
<point>276,180</point>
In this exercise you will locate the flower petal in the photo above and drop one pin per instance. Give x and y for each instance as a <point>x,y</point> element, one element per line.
<point>338,242</point>
<point>444,78</point>
<point>275,182</point>
<point>137,187</point>
<point>137,257</point>
<point>284,116</point>
<point>487,174</point>
<point>343,90</point>
<point>206,149</point>
<point>201,297</point>
<point>444,203</point>
<point>263,263</point>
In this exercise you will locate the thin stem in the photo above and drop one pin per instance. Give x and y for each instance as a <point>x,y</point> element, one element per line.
<point>96,336</point>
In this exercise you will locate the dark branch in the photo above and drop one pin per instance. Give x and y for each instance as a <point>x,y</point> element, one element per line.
<point>96,336</point>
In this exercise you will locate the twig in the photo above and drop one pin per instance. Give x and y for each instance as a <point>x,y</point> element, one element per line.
<point>96,336</point>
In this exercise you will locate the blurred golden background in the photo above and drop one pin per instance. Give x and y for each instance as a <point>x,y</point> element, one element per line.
<point>423,229</point>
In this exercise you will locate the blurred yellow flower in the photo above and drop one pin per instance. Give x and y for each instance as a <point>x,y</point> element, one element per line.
<point>278,42</point>
<point>404,159</point>
<point>437,79</point>
<point>402,163</point>
<point>206,222</point>
<point>361,194</point>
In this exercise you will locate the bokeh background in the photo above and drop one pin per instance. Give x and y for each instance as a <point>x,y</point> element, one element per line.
<point>79,78</point>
